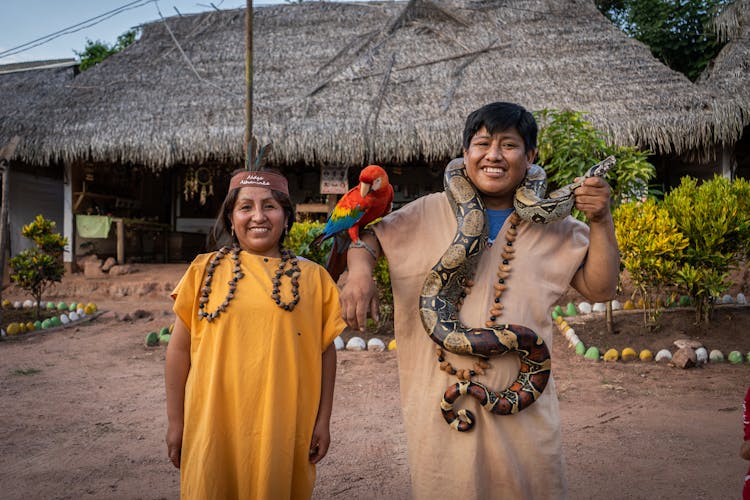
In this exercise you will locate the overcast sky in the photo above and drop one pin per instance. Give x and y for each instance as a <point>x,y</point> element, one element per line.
<point>23,21</point>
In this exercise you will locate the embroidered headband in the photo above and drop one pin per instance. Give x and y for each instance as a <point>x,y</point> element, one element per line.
<point>270,180</point>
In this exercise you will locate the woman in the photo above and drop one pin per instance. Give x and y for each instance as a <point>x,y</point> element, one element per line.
<point>251,365</point>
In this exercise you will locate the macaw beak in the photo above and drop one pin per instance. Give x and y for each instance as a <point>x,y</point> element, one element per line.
<point>364,188</point>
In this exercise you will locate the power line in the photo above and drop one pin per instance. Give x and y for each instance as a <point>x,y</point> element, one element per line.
<point>74,28</point>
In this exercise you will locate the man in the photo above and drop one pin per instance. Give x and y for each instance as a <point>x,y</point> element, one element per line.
<point>504,456</point>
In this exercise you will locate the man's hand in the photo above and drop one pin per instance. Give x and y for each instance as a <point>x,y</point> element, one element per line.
<point>592,198</point>
<point>358,296</point>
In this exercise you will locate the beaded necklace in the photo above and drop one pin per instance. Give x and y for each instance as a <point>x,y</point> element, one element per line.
<point>496,310</point>
<point>287,256</point>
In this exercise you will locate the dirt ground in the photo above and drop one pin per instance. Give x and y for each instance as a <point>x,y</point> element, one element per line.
<point>83,414</point>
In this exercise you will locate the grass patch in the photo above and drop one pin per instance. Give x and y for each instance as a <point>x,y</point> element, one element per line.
<point>27,371</point>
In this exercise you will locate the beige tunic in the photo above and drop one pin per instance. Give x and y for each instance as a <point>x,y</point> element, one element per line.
<point>504,456</point>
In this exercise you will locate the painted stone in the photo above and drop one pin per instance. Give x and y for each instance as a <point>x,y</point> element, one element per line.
<point>376,345</point>
<point>356,344</point>
<point>646,355</point>
<point>599,307</point>
<point>584,308</point>
<point>628,354</point>
<point>735,357</point>
<point>663,355</point>
<point>338,343</point>
<point>716,356</point>
<point>702,355</point>
<point>592,353</point>
<point>611,355</point>
<point>580,349</point>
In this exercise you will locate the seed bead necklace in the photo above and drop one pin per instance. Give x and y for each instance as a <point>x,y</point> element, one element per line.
<point>293,273</point>
<point>496,310</point>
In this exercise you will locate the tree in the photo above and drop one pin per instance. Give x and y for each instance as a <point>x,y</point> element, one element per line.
<point>678,32</point>
<point>35,269</point>
<point>96,52</point>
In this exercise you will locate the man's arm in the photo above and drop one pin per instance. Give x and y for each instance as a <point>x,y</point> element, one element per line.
<point>597,278</point>
<point>360,293</point>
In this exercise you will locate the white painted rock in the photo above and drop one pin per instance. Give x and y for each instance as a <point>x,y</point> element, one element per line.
<point>376,345</point>
<point>2,332</point>
<point>28,304</point>
<point>741,300</point>
<point>356,344</point>
<point>599,307</point>
<point>573,340</point>
<point>17,304</point>
<point>74,316</point>
<point>338,343</point>
<point>82,314</point>
<point>663,355</point>
<point>584,308</point>
<point>702,355</point>
<point>569,333</point>
<point>64,319</point>
<point>716,356</point>
<point>616,305</point>
<point>727,299</point>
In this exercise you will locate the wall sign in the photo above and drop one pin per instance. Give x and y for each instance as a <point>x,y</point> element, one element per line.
<point>334,180</point>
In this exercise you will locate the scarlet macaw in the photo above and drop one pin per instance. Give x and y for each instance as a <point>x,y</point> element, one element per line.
<point>370,199</point>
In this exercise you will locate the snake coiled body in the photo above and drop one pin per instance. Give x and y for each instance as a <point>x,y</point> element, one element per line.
<point>447,279</point>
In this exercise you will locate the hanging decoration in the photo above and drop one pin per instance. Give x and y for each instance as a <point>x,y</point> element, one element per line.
<point>198,181</point>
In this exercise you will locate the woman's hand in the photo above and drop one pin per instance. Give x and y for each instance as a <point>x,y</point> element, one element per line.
<point>174,443</point>
<point>321,440</point>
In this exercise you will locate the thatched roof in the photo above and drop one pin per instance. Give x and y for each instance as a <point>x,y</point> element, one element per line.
<point>729,72</point>
<point>346,83</point>
<point>23,85</point>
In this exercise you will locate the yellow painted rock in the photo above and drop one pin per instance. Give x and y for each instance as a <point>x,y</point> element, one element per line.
<point>646,355</point>
<point>7,304</point>
<point>559,319</point>
<point>611,355</point>
<point>628,305</point>
<point>629,354</point>
<point>13,329</point>
<point>392,345</point>
<point>90,308</point>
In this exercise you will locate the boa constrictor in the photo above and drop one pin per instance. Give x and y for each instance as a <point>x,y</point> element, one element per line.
<point>447,279</point>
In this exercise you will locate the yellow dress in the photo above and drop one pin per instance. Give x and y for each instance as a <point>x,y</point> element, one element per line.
<point>253,390</point>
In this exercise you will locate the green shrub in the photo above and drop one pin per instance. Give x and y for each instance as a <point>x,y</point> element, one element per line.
<point>301,235</point>
<point>35,269</point>
<point>712,218</point>
<point>651,249</point>
<point>569,145</point>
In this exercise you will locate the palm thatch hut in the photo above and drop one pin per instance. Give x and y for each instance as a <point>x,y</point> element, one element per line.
<point>728,75</point>
<point>33,188</point>
<point>345,84</point>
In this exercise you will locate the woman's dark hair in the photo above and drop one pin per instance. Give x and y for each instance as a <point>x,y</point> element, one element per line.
<point>221,233</point>
<point>499,116</point>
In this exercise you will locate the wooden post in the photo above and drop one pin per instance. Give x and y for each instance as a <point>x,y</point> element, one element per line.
<point>120,225</point>
<point>6,152</point>
<point>249,82</point>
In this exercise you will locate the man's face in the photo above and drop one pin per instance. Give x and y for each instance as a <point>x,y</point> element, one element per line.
<point>497,164</point>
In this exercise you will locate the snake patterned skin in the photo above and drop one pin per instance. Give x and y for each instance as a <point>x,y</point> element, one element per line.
<point>532,207</point>
<point>447,279</point>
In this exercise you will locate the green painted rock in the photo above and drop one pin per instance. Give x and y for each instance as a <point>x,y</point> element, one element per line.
<point>558,310</point>
<point>51,305</point>
<point>580,349</point>
<point>555,314</point>
<point>571,309</point>
<point>55,321</point>
<point>748,357</point>
<point>37,325</point>
<point>164,331</point>
<point>152,339</point>
<point>62,306</point>
<point>73,306</point>
<point>46,323</point>
<point>592,353</point>
<point>164,339</point>
<point>735,357</point>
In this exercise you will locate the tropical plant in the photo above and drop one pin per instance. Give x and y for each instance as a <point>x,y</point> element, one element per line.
<point>711,217</point>
<point>301,236</point>
<point>651,249</point>
<point>35,269</point>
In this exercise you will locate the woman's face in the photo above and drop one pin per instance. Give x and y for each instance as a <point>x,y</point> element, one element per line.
<point>258,221</point>
<point>497,164</point>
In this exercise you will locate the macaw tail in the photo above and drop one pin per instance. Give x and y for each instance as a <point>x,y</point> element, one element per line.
<point>319,239</point>
<point>336,264</point>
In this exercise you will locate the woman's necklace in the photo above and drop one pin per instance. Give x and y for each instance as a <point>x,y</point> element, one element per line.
<point>496,310</point>
<point>293,273</point>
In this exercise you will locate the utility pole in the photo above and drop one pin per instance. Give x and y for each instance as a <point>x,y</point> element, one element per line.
<point>250,147</point>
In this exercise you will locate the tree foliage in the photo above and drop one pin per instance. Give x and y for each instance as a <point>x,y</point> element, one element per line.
<point>677,31</point>
<point>96,52</point>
